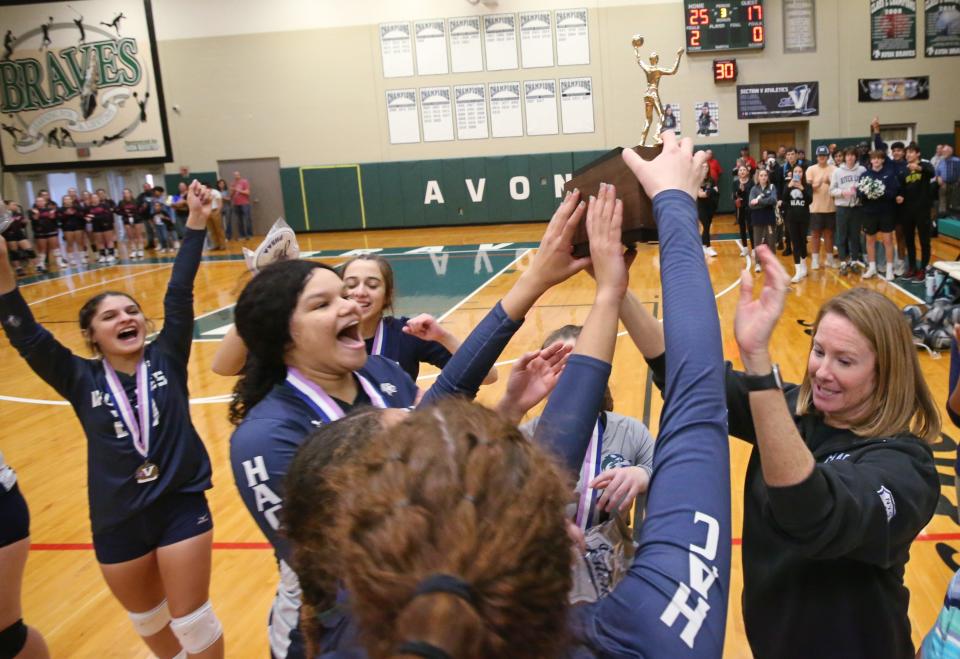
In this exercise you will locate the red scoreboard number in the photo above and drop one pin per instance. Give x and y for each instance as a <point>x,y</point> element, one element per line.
<point>724,25</point>
<point>724,70</point>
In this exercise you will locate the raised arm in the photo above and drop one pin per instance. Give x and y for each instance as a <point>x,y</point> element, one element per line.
<point>176,337</point>
<point>49,359</point>
<point>571,413</point>
<point>438,344</point>
<point>676,64</point>
<point>673,601</point>
<point>552,264</point>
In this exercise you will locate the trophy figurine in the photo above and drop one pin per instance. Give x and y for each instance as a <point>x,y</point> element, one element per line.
<point>651,97</point>
<point>638,222</point>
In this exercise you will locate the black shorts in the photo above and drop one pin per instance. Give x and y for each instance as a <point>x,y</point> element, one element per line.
<point>132,220</point>
<point>170,519</point>
<point>874,222</point>
<point>101,225</point>
<point>72,223</point>
<point>14,516</point>
<point>15,234</point>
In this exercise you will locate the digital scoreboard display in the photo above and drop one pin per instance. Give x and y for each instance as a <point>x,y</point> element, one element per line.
<point>723,25</point>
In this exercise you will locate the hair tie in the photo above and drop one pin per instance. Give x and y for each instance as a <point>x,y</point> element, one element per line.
<point>422,649</point>
<point>446,583</point>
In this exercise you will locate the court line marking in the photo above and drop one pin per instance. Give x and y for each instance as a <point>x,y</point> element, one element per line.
<point>86,546</point>
<point>507,362</point>
<point>484,284</point>
<point>100,283</point>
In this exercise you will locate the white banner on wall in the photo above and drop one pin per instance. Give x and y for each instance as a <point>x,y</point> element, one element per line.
<point>431,40</point>
<point>506,116</point>
<point>471,101</point>
<point>466,54</point>
<point>576,105</point>
<point>536,39</point>
<point>500,41</point>
<point>396,50</point>
<point>80,84</point>
<point>402,117</point>
<point>573,37</point>
<point>437,114</point>
<point>540,99</point>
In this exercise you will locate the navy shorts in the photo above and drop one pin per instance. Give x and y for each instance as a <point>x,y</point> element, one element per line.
<point>14,516</point>
<point>168,520</point>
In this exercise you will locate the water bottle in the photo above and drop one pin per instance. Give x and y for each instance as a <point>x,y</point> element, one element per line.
<point>930,281</point>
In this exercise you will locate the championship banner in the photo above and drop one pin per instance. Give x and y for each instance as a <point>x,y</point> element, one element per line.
<point>916,88</point>
<point>80,84</point>
<point>942,34</point>
<point>792,99</point>
<point>893,29</point>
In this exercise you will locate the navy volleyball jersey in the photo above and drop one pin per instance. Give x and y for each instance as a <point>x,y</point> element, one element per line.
<point>175,446</point>
<point>407,350</point>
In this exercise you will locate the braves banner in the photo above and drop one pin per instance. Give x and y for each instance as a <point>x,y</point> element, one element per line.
<point>942,34</point>
<point>916,88</point>
<point>893,29</point>
<point>80,83</point>
<point>791,99</point>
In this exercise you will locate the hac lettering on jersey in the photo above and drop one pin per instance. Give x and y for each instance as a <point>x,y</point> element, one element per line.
<point>267,500</point>
<point>702,577</point>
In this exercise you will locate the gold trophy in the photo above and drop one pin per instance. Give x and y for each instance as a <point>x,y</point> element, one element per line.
<point>638,222</point>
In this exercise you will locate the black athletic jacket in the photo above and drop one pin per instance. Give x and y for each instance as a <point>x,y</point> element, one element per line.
<point>823,560</point>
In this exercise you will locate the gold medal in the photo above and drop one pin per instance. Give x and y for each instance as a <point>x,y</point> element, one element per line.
<point>147,472</point>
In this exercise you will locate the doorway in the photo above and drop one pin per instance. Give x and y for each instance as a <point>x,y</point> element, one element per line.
<point>266,196</point>
<point>771,135</point>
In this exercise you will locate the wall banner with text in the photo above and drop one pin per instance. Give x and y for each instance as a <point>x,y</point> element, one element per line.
<point>916,88</point>
<point>942,28</point>
<point>80,84</point>
<point>893,29</point>
<point>791,99</point>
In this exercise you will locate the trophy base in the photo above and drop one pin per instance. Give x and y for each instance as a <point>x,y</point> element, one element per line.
<point>638,222</point>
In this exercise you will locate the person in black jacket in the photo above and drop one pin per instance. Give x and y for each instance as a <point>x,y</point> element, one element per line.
<point>796,212</point>
<point>841,479</point>
<point>762,204</point>
<point>780,176</point>
<point>707,197</point>
<point>914,201</point>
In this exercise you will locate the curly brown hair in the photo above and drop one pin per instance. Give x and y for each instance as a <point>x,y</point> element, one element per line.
<point>456,490</point>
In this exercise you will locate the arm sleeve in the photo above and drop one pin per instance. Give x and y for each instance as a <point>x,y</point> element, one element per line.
<point>467,368</point>
<point>570,414</point>
<point>433,353</point>
<point>176,337</point>
<point>673,600</point>
<point>835,190</point>
<point>260,454</point>
<point>879,144</point>
<point>866,510</point>
<point>48,358</point>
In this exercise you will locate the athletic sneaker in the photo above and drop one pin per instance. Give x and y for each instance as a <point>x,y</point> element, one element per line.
<point>871,271</point>
<point>815,264</point>
<point>889,275</point>
<point>709,251</point>
<point>61,262</point>
<point>898,268</point>
<point>744,251</point>
<point>844,268</point>
<point>757,268</point>
<point>859,266</point>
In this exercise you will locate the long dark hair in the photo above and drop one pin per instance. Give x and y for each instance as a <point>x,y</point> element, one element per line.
<point>262,317</point>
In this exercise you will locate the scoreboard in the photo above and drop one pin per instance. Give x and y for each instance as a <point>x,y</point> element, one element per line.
<point>723,25</point>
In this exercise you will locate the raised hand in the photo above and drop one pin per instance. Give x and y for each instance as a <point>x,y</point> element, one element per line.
<point>532,379</point>
<point>199,201</point>
<point>620,486</point>
<point>756,318</point>
<point>676,168</point>
<point>554,261</point>
<point>425,327</point>
<point>604,228</point>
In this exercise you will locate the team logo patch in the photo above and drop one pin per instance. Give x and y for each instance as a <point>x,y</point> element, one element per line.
<point>13,321</point>
<point>613,461</point>
<point>886,496</point>
<point>388,388</point>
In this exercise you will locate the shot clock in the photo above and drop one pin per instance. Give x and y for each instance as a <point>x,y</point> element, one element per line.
<point>723,25</point>
<point>725,70</point>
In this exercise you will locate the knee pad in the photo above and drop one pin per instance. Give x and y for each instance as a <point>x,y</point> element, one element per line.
<point>197,631</point>
<point>29,253</point>
<point>12,639</point>
<point>150,622</point>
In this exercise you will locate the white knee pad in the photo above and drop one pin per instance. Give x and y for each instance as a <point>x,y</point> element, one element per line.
<point>198,630</point>
<point>150,622</point>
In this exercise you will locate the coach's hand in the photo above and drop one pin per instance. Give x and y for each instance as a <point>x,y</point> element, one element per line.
<point>755,319</point>
<point>676,168</point>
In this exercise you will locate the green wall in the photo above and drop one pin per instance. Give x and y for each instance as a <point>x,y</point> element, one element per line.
<point>393,193</point>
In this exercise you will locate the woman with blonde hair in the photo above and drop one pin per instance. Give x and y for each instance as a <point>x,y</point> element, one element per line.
<point>841,479</point>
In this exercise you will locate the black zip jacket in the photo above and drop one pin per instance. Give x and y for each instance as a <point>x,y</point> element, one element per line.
<point>823,560</point>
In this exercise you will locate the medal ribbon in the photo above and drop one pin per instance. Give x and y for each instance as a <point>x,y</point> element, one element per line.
<point>320,401</point>
<point>378,339</point>
<point>589,471</point>
<point>139,432</point>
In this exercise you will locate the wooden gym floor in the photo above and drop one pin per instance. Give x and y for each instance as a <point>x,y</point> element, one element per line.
<point>64,594</point>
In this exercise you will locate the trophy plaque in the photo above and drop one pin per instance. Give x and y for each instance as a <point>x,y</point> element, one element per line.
<point>638,222</point>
